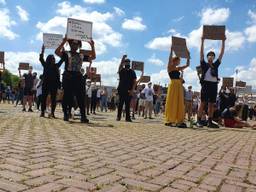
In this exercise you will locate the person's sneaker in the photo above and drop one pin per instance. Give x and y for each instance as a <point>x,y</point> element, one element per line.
<point>128,120</point>
<point>200,124</point>
<point>151,118</point>
<point>169,124</point>
<point>182,125</point>
<point>53,116</point>
<point>118,119</point>
<point>42,115</point>
<point>213,125</point>
<point>84,120</point>
<point>30,110</point>
<point>24,109</point>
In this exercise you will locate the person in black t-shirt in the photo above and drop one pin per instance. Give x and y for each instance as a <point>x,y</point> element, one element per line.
<point>73,81</point>
<point>126,87</point>
<point>209,82</point>
<point>51,81</point>
<point>28,79</point>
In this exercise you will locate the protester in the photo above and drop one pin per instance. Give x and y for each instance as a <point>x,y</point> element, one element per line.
<point>72,77</point>
<point>19,93</point>
<point>51,81</point>
<point>189,102</point>
<point>39,92</point>
<point>142,100</point>
<point>88,96</point>
<point>149,93</point>
<point>104,99</point>
<point>28,89</point>
<point>174,107</point>
<point>34,87</point>
<point>126,87</point>
<point>209,82</point>
<point>94,99</point>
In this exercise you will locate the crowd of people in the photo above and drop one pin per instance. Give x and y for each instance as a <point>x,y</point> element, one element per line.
<point>76,92</point>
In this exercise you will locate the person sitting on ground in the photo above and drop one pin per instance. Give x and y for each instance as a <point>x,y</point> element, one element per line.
<point>231,119</point>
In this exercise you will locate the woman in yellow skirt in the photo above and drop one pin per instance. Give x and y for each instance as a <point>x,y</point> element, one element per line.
<point>174,107</point>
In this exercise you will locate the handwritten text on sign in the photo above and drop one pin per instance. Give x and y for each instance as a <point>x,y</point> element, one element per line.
<point>228,82</point>
<point>23,66</point>
<point>52,41</point>
<point>180,47</point>
<point>214,32</point>
<point>79,30</point>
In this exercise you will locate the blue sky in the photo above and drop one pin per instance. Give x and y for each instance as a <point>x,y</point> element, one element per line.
<point>142,29</point>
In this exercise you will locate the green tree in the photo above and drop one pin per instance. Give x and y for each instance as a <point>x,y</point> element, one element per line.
<point>9,79</point>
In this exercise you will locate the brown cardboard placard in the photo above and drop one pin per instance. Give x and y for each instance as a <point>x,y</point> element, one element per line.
<point>93,70</point>
<point>214,32</point>
<point>145,79</point>
<point>228,82</point>
<point>1,57</point>
<point>138,65</point>
<point>240,84</point>
<point>179,46</point>
<point>96,78</point>
<point>23,66</point>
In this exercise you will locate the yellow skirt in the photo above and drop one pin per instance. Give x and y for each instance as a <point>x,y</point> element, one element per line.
<point>174,106</point>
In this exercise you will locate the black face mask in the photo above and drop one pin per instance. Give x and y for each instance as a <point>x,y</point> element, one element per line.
<point>127,66</point>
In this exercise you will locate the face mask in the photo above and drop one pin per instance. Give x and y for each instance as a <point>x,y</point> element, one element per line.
<point>127,66</point>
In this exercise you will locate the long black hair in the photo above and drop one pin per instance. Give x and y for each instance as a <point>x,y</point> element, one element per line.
<point>49,58</point>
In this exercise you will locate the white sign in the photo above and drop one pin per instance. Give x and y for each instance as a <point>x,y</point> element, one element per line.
<point>52,41</point>
<point>79,30</point>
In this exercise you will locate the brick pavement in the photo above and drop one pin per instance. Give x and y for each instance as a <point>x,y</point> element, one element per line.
<point>46,155</point>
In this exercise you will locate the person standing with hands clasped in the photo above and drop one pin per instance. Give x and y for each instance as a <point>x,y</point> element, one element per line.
<point>209,83</point>
<point>73,83</point>
<point>126,87</point>
<point>174,107</point>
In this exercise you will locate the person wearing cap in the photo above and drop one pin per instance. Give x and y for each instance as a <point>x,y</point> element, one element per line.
<point>149,93</point>
<point>73,82</point>
<point>189,102</point>
<point>126,87</point>
<point>174,106</point>
<point>209,83</point>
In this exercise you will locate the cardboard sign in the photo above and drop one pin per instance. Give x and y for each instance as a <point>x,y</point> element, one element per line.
<point>228,82</point>
<point>1,57</point>
<point>52,41</point>
<point>180,47</point>
<point>214,32</point>
<point>138,65</point>
<point>96,78</point>
<point>145,79</point>
<point>85,52</point>
<point>240,84</point>
<point>79,30</point>
<point>24,66</point>
<point>93,70</point>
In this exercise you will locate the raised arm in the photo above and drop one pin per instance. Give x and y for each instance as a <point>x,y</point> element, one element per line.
<point>41,57</point>
<point>93,55</point>
<point>59,50</point>
<point>222,48</point>
<point>170,61</point>
<point>187,64</point>
<point>121,63</point>
<point>202,50</point>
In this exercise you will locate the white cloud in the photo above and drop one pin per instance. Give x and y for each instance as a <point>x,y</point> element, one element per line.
<point>176,20</point>
<point>155,61</point>
<point>248,74</point>
<point>14,58</point>
<point>134,24</point>
<point>108,70</point>
<point>5,25</point>
<point>24,16</point>
<point>94,1</point>
<point>251,33</point>
<point>214,16</point>
<point>252,15</point>
<point>2,2</point>
<point>103,33</point>
<point>235,40</point>
<point>119,11</point>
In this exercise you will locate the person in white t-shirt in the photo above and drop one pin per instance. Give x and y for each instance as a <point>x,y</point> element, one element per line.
<point>149,93</point>
<point>88,96</point>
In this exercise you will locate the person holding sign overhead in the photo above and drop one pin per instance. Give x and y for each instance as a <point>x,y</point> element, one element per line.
<point>174,107</point>
<point>73,83</point>
<point>51,81</point>
<point>209,82</point>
